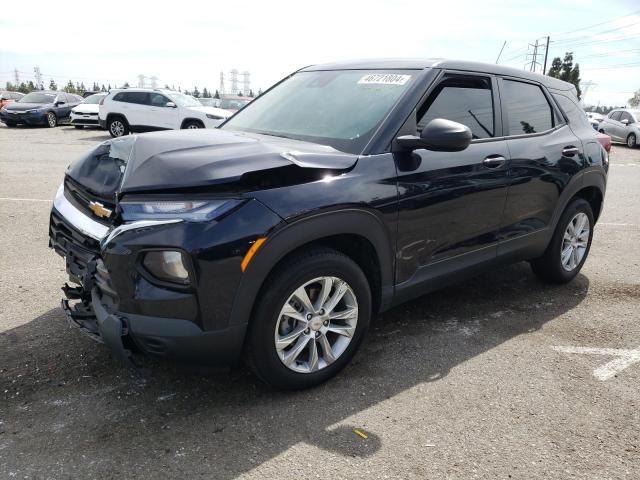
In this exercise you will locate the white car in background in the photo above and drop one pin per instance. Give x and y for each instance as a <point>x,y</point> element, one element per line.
<point>141,110</point>
<point>594,119</point>
<point>86,114</point>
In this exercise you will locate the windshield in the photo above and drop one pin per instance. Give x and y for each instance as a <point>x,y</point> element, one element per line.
<point>337,108</point>
<point>233,103</point>
<point>184,100</point>
<point>38,97</point>
<point>93,99</point>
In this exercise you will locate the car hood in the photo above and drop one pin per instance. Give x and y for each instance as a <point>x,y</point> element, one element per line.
<point>20,107</point>
<point>86,108</point>
<point>219,112</point>
<point>203,160</point>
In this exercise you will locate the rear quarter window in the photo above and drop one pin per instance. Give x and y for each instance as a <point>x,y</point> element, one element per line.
<point>572,110</point>
<point>527,108</point>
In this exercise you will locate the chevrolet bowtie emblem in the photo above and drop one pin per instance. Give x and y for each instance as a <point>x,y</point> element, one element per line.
<point>98,209</point>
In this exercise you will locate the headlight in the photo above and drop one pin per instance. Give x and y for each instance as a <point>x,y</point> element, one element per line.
<point>214,117</point>
<point>188,210</point>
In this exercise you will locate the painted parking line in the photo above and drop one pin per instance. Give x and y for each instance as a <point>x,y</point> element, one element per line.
<point>624,358</point>
<point>606,224</point>
<point>11,199</point>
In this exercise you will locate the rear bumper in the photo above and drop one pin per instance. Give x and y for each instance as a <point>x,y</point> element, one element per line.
<point>102,123</point>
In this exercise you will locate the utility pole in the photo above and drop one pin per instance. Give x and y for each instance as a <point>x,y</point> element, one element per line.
<point>503,45</point>
<point>17,77</point>
<point>221,89</point>
<point>546,54</point>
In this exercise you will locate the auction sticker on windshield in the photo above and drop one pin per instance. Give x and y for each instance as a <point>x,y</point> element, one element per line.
<point>384,79</point>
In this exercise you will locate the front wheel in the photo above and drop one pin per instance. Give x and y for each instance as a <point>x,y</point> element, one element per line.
<point>569,246</point>
<point>52,120</point>
<point>309,321</point>
<point>192,125</point>
<point>632,141</point>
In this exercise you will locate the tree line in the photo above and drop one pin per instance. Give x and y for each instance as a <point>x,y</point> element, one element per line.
<point>80,88</point>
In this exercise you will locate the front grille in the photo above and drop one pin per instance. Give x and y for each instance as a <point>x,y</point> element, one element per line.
<point>81,198</point>
<point>77,248</point>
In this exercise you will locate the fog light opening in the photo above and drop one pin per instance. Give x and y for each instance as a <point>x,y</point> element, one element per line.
<point>167,265</point>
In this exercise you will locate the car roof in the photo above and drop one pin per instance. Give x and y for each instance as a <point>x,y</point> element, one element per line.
<point>441,63</point>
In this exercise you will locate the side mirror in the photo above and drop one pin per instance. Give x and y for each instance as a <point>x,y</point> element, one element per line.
<point>171,105</point>
<point>58,103</point>
<point>439,135</point>
<point>625,121</point>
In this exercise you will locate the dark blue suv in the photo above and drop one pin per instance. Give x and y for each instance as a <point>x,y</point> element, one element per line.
<point>342,191</point>
<point>44,107</point>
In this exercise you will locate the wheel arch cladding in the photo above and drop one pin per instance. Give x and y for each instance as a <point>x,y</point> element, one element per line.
<point>590,185</point>
<point>190,120</point>
<point>593,195</point>
<point>359,234</point>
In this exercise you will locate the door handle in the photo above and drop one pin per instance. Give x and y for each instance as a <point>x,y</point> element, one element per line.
<point>570,151</point>
<point>494,161</point>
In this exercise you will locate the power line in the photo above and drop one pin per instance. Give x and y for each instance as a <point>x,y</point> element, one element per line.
<point>618,39</point>
<point>595,24</point>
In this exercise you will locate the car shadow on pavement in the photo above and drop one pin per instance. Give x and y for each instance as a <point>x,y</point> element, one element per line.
<point>60,394</point>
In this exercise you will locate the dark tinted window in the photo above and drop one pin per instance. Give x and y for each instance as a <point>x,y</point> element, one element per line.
<point>572,110</point>
<point>615,115</point>
<point>141,98</point>
<point>465,100</point>
<point>527,108</point>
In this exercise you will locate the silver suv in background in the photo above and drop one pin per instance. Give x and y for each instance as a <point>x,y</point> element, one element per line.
<point>622,125</point>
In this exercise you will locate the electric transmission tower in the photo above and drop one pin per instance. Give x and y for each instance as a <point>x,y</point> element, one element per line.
<point>540,49</point>
<point>221,89</point>
<point>38,75</point>
<point>246,83</point>
<point>234,81</point>
<point>16,75</point>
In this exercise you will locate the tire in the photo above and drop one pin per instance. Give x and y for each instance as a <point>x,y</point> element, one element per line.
<point>601,131</point>
<point>118,127</point>
<point>308,270</point>
<point>192,124</point>
<point>10,124</point>
<point>552,267</point>
<point>632,142</point>
<point>52,120</point>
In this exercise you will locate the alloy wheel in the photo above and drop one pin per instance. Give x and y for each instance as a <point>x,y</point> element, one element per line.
<point>631,141</point>
<point>316,324</point>
<point>117,128</point>
<point>575,242</point>
<point>51,119</point>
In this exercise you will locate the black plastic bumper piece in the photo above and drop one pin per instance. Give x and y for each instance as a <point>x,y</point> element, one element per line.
<point>112,329</point>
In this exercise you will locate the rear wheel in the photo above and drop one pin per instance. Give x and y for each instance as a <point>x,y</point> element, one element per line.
<point>309,321</point>
<point>632,141</point>
<point>569,247</point>
<point>117,127</point>
<point>52,120</point>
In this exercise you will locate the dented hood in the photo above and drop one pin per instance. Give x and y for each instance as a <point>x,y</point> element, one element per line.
<point>199,158</point>
<point>204,158</point>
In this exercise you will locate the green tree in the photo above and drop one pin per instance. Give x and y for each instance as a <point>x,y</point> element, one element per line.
<point>251,94</point>
<point>69,88</point>
<point>31,86</point>
<point>635,100</point>
<point>9,86</point>
<point>22,88</point>
<point>196,92</point>
<point>126,85</point>
<point>205,93</point>
<point>109,88</point>
<point>567,71</point>
<point>217,95</point>
<point>53,85</point>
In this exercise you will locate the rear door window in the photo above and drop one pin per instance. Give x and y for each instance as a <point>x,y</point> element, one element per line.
<point>140,98</point>
<point>626,116</point>
<point>466,100</point>
<point>527,108</point>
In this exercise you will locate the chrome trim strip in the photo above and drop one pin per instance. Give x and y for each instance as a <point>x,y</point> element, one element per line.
<point>125,227</point>
<point>78,219</point>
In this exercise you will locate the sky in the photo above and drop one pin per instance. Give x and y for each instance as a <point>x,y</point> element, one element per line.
<point>189,43</point>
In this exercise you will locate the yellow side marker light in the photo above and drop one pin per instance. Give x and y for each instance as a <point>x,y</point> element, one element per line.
<point>251,252</point>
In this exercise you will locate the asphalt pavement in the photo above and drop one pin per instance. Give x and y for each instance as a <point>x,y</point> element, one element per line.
<point>498,377</point>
